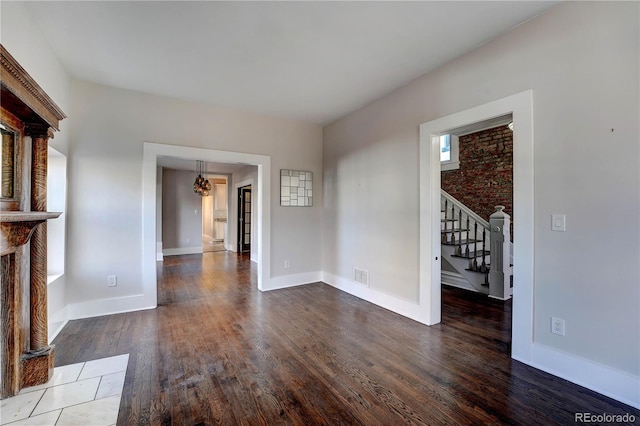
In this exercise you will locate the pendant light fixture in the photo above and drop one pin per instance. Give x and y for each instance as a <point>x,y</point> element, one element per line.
<point>201,186</point>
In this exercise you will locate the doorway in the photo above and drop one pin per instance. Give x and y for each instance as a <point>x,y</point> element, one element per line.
<point>214,215</point>
<point>476,175</point>
<point>151,153</point>
<point>244,219</point>
<point>521,106</point>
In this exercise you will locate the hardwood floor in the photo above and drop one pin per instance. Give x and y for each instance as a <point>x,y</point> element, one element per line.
<point>218,351</point>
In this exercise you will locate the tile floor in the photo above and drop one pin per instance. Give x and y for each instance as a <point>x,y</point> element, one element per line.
<point>84,394</point>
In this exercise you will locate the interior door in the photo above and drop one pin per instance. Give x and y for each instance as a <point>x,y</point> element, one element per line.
<point>244,219</point>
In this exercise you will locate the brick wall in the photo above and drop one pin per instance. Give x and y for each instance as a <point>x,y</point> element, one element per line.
<point>485,177</point>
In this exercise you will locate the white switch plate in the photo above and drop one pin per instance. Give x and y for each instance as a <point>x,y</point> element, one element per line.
<point>557,326</point>
<point>558,222</point>
<point>112,280</point>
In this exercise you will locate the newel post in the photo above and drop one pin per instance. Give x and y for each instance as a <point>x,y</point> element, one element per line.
<point>499,274</point>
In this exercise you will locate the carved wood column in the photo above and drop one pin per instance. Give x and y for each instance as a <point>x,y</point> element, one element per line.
<point>37,362</point>
<point>39,333</point>
<point>10,308</point>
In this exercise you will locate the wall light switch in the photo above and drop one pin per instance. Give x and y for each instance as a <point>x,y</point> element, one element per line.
<point>559,222</point>
<point>112,280</point>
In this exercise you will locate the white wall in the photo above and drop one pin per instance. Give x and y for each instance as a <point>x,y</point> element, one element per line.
<point>181,213</point>
<point>581,61</point>
<point>26,44</point>
<point>106,149</point>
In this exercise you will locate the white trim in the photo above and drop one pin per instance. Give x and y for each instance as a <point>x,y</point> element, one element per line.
<point>151,152</point>
<point>430,227</point>
<point>395,304</point>
<point>159,253</point>
<point>616,384</point>
<point>294,280</point>
<point>521,106</point>
<point>61,317</point>
<point>446,166</point>
<point>108,306</point>
<point>52,277</point>
<point>454,162</point>
<point>182,250</point>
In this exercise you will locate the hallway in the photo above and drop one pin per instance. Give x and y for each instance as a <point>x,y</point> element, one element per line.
<point>218,351</point>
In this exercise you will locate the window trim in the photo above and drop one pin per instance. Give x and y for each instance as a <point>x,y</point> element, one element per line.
<point>454,162</point>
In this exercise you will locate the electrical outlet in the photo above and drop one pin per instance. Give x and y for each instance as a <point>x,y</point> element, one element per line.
<point>112,280</point>
<point>287,264</point>
<point>361,276</point>
<point>557,326</point>
<point>365,277</point>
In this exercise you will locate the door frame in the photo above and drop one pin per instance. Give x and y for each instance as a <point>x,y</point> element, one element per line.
<point>151,152</point>
<point>521,106</point>
<point>239,215</point>
<point>254,231</point>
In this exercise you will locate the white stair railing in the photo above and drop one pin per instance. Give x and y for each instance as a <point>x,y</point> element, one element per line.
<point>500,273</point>
<point>486,246</point>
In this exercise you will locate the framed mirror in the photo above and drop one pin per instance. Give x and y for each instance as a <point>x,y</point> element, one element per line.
<point>7,163</point>
<point>11,130</point>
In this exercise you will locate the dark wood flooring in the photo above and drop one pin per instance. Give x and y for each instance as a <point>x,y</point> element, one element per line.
<point>218,351</point>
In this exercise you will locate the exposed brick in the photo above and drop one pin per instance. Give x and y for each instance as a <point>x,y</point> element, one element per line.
<point>485,177</point>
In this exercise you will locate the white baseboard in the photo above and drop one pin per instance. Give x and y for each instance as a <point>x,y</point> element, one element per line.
<point>400,306</point>
<point>100,307</point>
<point>182,250</point>
<point>616,384</point>
<point>293,280</point>
<point>57,321</point>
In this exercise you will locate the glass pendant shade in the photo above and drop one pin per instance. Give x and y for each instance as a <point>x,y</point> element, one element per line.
<point>201,186</point>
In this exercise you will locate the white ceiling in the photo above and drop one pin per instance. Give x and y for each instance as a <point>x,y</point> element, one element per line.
<point>312,61</point>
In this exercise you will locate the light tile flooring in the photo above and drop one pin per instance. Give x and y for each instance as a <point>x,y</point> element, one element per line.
<point>84,394</point>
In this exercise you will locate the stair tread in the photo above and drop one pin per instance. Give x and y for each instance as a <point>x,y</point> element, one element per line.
<point>473,254</point>
<point>463,241</point>
<point>477,270</point>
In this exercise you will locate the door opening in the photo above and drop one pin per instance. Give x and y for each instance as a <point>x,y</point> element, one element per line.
<point>521,106</point>
<point>244,219</point>
<point>476,175</point>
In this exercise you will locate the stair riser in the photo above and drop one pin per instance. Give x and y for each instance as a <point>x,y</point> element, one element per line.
<point>460,264</point>
<point>479,260</point>
<point>477,247</point>
<point>456,237</point>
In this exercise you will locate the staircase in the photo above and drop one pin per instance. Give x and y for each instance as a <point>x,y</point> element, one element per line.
<point>466,249</point>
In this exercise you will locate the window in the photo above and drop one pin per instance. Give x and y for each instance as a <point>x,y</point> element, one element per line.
<point>449,152</point>
<point>445,148</point>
